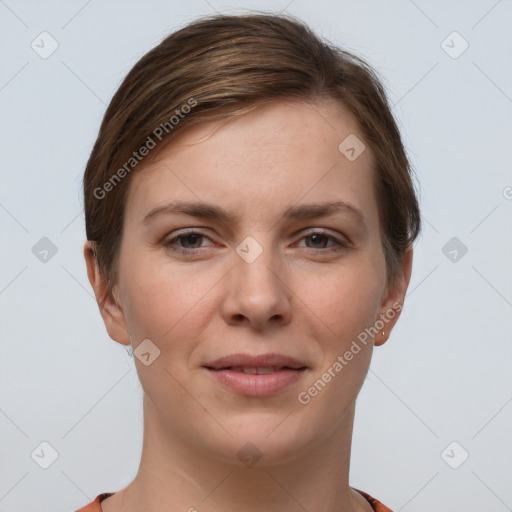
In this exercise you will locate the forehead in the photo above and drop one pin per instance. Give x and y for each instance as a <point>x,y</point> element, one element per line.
<point>277,155</point>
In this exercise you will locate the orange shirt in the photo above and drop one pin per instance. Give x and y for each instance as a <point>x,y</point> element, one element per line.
<point>95,506</point>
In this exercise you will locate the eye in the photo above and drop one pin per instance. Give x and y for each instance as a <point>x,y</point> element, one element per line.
<point>191,238</point>
<point>320,238</point>
<point>190,242</point>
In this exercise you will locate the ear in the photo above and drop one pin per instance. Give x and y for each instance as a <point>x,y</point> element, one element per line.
<point>110,308</point>
<point>393,299</point>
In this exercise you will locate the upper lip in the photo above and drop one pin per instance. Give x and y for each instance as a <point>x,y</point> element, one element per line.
<point>260,361</point>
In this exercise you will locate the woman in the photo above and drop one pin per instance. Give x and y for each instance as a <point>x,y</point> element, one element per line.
<point>250,215</point>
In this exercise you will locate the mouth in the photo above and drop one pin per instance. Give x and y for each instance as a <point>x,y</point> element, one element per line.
<point>266,362</point>
<point>260,382</point>
<point>256,376</point>
<point>256,370</point>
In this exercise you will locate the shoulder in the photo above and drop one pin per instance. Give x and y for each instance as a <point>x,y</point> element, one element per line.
<point>95,506</point>
<point>376,504</point>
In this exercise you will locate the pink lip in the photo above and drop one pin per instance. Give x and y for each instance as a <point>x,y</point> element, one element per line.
<point>289,371</point>
<point>263,360</point>
<point>257,385</point>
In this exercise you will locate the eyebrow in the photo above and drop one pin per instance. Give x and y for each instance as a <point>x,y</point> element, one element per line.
<point>298,212</point>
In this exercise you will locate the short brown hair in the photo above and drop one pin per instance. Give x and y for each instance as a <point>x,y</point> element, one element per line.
<point>222,66</point>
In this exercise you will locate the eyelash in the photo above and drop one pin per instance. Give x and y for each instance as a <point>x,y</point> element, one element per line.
<point>341,245</point>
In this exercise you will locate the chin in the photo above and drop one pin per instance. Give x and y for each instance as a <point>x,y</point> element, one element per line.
<point>266,439</point>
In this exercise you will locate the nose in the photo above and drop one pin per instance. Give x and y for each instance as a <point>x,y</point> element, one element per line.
<point>257,293</point>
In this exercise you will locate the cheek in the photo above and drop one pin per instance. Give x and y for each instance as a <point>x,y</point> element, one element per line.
<point>146,295</point>
<point>163,301</point>
<point>343,304</point>
<point>345,300</point>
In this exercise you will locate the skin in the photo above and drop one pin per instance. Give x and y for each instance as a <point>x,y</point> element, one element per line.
<point>298,298</point>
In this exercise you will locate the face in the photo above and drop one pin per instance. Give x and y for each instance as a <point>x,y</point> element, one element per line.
<point>273,275</point>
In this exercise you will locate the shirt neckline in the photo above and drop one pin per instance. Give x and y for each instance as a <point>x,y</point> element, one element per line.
<point>370,499</point>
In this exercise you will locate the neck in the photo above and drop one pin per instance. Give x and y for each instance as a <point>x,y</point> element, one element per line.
<point>177,475</point>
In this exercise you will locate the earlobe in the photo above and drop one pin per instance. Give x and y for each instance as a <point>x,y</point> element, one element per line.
<point>393,301</point>
<point>110,308</point>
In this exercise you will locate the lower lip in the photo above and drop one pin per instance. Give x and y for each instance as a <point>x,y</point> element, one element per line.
<point>257,385</point>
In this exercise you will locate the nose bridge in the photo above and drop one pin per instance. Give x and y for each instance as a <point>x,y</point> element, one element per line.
<point>255,262</point>
<point>257,290</point>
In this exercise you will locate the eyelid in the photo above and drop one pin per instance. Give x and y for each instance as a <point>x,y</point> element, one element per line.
<point>341,237</point>
<point>341,242</point>
<point>190,231</point>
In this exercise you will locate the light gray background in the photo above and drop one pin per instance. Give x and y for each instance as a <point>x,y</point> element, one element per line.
<point>445,373</point>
